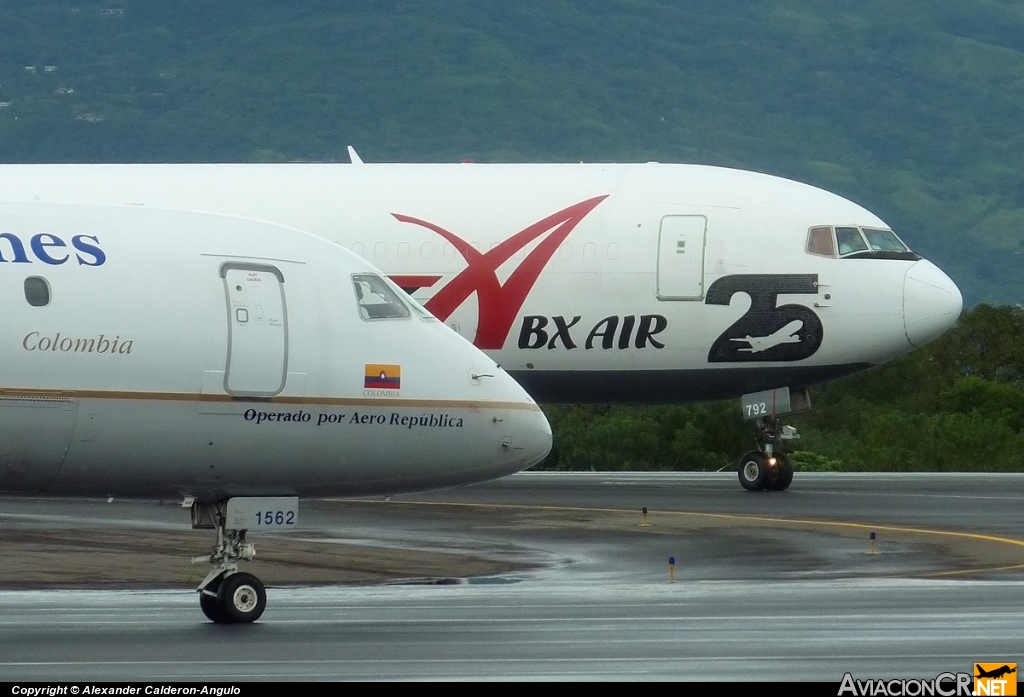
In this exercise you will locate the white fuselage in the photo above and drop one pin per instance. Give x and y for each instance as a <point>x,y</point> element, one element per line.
<point>585,282</point>
<point>147,352</point>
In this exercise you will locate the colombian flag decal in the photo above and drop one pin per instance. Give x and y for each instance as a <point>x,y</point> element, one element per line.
<point>382,377</point>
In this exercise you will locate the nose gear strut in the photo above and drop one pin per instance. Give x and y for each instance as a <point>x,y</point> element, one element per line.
<point>227,595</point>
<point>768,467</point>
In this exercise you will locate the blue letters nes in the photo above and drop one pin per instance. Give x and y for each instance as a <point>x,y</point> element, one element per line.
<point>51,249</point>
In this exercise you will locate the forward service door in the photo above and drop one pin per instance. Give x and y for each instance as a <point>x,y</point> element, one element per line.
<point>681,242</point>
<point>257,361</point>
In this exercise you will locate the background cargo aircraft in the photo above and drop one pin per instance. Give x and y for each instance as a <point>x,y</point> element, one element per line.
<point>596,283</point>
<point>239,364</point>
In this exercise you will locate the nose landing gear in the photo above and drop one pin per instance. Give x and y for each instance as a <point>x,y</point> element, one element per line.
<point>760,471</point>
<point>227,595</point>
<point>769,468</point>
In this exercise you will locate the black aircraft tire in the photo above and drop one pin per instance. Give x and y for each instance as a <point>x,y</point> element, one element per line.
<point>209,604</point>
<point>212,609</point>
<point>785,472</point>
<point>242,597</point>
<point>771,478</point>
<point>754,471</point>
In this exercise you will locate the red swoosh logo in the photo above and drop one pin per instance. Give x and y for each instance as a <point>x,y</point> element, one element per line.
<point>499,304</point>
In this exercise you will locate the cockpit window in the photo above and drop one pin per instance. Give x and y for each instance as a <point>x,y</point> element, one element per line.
<point>850,241</point>
<point>884,241</point>
<point>819,241</point>
<point>412,302</point>
<point>423,312</point>
<point>377,300</point>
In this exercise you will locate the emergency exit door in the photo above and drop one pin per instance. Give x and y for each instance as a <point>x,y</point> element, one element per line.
<point>681,257</point>
<point>257,361</point>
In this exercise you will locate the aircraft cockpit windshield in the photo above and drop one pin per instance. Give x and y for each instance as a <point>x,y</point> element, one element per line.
<point>850,242</point>
<point>377,299</point>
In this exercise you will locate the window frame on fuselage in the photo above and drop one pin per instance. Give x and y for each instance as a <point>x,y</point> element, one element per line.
<point>397,308</point>
<point>866,248</point>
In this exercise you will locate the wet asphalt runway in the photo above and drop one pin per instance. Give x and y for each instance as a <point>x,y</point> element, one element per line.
<point>769,586</point>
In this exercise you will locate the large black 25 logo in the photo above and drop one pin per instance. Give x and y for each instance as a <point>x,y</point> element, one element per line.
<point>766,332</point>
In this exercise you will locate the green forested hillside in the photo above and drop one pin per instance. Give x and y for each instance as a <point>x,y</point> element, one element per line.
<point>913,109</point>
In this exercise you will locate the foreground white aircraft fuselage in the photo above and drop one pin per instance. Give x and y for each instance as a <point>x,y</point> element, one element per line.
<point>207,356</point>
<point>155,353</point>
<point>588,282</point>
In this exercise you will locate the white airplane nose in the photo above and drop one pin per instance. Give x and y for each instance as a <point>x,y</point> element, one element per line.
<point>931,302</point>
<point>519,428</point>
<point>535,441</point>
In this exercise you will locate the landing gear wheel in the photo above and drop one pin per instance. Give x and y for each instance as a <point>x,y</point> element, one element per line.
<point>755,472</point>
<point>785,472</point>
<point>241,597</point>
<point>209,605</point>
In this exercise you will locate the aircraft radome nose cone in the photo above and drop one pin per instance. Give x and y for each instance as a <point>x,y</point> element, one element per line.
<point>534,443</point>
<point>931,302</point>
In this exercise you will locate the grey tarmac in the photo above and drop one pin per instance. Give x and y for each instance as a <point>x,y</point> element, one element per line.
<point>539,576</point>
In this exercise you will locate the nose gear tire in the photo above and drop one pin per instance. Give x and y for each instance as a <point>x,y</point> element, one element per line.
<point>209,605</point>
<point>755,473</point>
<point>785,468</point>
<point>241,597</point>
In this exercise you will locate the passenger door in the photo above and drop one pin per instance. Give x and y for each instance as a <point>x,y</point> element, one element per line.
<point>681,241</point>
<point>257,360</point>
